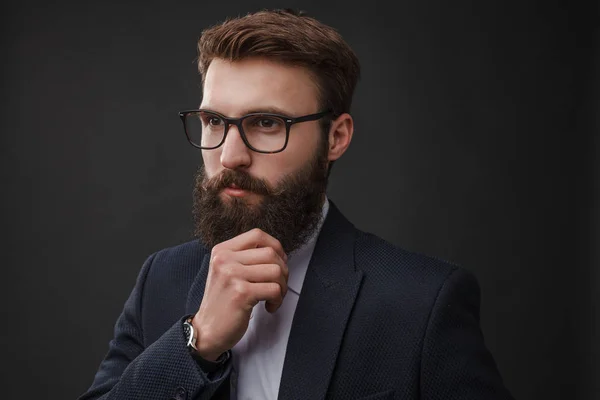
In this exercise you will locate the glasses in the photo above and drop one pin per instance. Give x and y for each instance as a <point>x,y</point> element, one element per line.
<point>261,132</point>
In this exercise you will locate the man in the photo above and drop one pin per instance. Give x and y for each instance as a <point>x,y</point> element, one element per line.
<point>281,296</point>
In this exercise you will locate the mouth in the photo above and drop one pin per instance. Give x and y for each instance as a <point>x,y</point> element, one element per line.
<point>234,191</point>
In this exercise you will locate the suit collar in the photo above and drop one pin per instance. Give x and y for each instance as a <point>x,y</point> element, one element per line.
<point>326,300</point>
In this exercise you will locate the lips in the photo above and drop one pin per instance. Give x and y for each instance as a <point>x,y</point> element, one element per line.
<point>235,191</point>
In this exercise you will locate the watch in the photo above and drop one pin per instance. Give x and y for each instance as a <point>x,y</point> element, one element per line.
<point>191,336</point>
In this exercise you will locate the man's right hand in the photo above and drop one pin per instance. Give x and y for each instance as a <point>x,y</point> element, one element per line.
<point>244,270</point>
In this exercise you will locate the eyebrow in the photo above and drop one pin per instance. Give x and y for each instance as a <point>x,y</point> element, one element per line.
<point>267,109</point>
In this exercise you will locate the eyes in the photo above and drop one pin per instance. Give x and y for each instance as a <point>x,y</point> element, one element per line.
<point>264,122</point>
<point>214,121</point>
<point>250,122</point>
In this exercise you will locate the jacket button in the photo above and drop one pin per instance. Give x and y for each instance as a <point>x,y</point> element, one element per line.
<point>180,394</point>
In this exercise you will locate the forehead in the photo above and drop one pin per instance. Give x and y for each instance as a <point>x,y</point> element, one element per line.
<point>238,87</point>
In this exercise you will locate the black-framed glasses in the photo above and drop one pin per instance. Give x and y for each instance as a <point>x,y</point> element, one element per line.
<point>261,132</point>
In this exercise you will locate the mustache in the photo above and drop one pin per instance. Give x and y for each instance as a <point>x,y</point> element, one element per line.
<point>240,179</point>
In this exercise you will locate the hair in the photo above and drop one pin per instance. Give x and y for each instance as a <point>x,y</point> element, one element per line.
<point>292,38</point>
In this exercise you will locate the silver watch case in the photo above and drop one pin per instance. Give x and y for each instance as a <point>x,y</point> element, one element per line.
<point>190,334</point>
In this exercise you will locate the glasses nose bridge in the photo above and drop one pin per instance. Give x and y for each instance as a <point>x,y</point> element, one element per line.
<point>237,122</point>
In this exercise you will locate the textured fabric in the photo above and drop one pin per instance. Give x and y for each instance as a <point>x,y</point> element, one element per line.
<point>373,322</point>
<point>149,360</point>
<point>258,356</point>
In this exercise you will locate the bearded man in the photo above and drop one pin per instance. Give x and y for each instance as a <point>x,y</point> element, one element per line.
<point>280,296</point>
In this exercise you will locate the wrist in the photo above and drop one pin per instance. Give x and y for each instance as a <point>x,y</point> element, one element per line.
<point>205,360</point>
<point>202,345</point>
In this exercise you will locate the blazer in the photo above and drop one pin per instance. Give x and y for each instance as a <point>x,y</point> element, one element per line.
<point>373,321</point>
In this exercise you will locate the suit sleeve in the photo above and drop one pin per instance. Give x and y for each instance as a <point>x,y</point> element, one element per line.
<point>455,362</point>
<point>163,370</point>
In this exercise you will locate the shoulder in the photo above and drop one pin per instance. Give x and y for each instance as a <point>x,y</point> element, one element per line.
<point>179,260</point>
<point>386,265</point>
<point>184,252</point>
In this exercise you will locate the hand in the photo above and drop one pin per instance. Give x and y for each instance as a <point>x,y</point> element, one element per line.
<point>244,270</point>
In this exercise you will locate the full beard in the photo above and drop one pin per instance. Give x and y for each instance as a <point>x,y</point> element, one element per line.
<point>290,212</point>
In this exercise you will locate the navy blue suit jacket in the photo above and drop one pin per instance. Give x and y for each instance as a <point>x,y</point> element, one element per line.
<point>373,322</point>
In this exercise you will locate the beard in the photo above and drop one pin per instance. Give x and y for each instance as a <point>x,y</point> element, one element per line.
<point>290,211</point>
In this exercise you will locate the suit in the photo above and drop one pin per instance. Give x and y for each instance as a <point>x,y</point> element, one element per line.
<point>373,322</point>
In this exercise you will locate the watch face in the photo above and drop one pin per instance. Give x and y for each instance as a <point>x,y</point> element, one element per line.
<point>186,331</point>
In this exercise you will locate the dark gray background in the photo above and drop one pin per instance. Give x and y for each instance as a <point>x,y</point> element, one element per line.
<point>476,141</point>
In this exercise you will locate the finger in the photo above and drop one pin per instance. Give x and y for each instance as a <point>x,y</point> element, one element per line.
<point>261,255</point>
<point>265,273</point>
<point>270,292</point>
<point>255,238</point>
<point>270,307</point>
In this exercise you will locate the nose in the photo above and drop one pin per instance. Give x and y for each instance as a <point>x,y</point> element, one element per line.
<point>235,154</point>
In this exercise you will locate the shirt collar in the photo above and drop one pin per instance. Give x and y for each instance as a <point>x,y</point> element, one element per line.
<point>299,259</point>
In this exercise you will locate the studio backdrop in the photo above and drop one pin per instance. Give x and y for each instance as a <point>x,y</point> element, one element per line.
<point>475,141</point>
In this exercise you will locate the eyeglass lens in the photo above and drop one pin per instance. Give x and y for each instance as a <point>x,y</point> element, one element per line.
<point>263,132</point>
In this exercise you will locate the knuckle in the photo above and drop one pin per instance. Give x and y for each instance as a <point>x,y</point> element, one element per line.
<point>269,272</point>
<point>278,273</point>
<point>218,258</point>
<point>271,253</point>
<point>221,267</point>
<point>257,233</point>
<point>240,291</point>
<point>274,290</point>
<point>274,271</point>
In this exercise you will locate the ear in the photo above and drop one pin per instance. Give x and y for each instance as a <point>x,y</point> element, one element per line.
<point>340,136</point>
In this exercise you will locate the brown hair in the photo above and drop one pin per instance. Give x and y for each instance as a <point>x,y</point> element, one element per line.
<point>288,37</point>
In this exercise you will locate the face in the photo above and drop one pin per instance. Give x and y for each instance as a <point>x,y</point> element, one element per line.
<point>238,189</point>
<point>238,88</point>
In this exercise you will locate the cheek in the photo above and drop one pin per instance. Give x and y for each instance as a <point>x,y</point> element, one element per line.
<point>271,167</point>
<point>302,146</point>
<point>290,161</point>
<point>212,161</point>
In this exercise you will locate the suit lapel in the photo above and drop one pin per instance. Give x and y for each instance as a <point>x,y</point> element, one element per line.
<point>196,291</point>
<point>326,300</point>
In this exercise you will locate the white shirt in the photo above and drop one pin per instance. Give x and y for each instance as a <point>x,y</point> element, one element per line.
<point>258,357</point>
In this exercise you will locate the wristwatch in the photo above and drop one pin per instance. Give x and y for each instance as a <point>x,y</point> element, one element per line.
<point>191,335</point>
